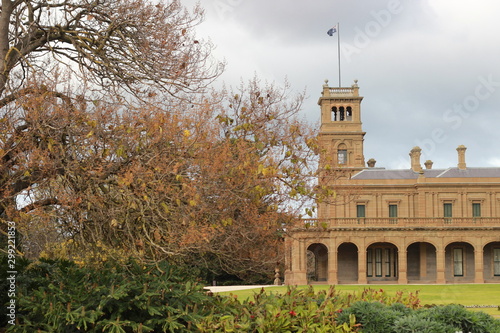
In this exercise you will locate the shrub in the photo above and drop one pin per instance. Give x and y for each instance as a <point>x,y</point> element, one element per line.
<point>302,310</point>
<point>59,296</point>
<point>460,319</point>
<point>400,309</point>
<point>374,317</point>
<point>298,310</point>
<point>416,323</point>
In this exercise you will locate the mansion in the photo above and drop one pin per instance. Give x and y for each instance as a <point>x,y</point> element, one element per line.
<point>417,225</point>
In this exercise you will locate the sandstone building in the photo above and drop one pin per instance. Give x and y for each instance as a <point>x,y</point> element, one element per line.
<point>419,225</point>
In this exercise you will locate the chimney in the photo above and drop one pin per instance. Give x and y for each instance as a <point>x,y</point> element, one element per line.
<point>461,157</point>
<point>415,159</point>
<point>371,163</point>
<point>428,164</point>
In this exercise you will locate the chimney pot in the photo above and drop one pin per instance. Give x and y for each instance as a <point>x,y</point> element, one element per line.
<point>461,157</point>
<point>415,159</point>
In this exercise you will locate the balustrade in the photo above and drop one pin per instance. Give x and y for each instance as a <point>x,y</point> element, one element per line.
<point>402,222</point>
<point>341,92</point>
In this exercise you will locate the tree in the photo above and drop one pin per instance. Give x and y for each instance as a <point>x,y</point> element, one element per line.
<point>94,50</point>
<point>113,165</point>
<point>212,185</point>
<point>131,45</point>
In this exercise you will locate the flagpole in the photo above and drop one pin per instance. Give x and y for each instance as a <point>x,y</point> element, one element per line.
<point>338,49</point>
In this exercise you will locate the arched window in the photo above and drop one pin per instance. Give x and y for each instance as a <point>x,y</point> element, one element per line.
<point>334,113</point>
<point>349,114</point>
<point>342,154</point>
<point>341,113</point>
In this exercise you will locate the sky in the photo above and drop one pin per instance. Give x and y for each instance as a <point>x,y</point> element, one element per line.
<point>429,70</point>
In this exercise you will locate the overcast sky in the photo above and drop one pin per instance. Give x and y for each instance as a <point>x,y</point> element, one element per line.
<point>429,70</point>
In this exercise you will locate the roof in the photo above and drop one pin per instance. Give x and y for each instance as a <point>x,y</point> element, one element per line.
<point>429,173</point>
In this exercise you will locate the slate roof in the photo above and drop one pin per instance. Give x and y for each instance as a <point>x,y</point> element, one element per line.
<point>429,173</point>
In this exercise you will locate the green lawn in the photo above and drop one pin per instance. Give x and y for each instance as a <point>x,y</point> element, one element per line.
<point>465,294</point>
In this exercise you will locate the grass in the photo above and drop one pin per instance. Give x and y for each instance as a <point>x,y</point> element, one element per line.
<point>465,294</point>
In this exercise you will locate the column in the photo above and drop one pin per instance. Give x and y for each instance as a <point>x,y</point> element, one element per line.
<point>362,263</point>
<point>479,265</point>
<point>301,276</point>
<point>297,273</point>
<point>332,262</point>
<point>332,268</point>
<point>403,267</point>
<point>440,266</point>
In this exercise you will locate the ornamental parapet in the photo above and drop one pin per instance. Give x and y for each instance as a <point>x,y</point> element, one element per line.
<point>399,222</point>
<point>352,91</point>
<point>334,92</point>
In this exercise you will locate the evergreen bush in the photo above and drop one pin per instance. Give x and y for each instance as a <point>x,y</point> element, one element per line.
<point>414,323</point>
<point>460,319</point>
<point>59,296</point>
<point>374,317</point>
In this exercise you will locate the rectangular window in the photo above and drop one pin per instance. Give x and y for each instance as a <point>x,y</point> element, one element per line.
<point>342,156</point>
<point>360,213</point>
<point>387,262</point>
<point>369,263</point>
<point>393,213</point>
<point>496,262</point>
<point>458,262</point>
<point>476,209</point>
<point>447,209</point>
<point>378,262</point>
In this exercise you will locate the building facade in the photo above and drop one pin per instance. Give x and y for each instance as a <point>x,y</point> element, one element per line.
<point>417,225</point>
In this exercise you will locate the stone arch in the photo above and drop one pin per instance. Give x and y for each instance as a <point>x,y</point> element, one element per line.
<point>371,243</point>
<point>421,262</point>
<point>491,262</point>
<point>459,241</point>
<point>347,263</point>
<point>432,242</point>
<point>317,263</point>
<point>382,262</point>
<point>459,262</point>
<point>343,144</point>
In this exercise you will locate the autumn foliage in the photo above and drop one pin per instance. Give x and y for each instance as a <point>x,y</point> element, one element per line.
<point>112,145</point>
<point>210,180</point>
